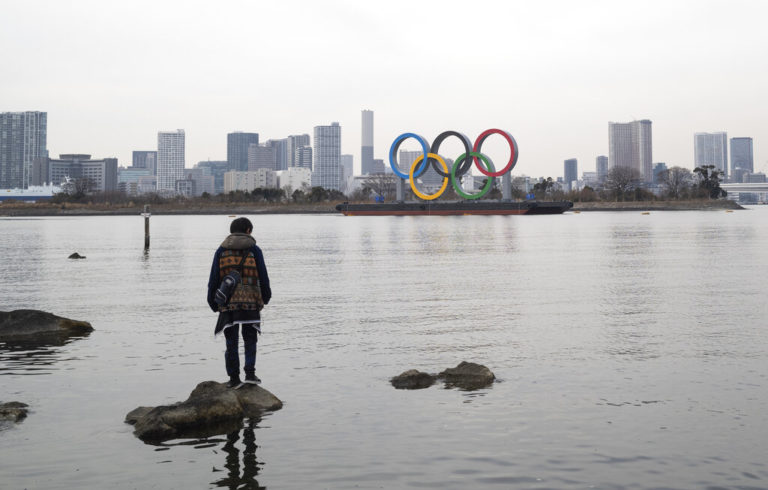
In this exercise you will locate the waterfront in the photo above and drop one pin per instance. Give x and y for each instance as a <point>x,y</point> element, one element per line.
<point>630,351</point>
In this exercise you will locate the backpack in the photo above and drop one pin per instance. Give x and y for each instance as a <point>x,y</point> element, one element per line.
<point>228,285</point>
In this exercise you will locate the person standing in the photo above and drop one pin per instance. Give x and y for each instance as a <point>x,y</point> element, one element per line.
<point>239,253</point>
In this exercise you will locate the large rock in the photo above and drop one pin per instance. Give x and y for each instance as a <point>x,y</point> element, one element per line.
<point>212,408</point>
<point>468,376</point>
<point>13,411</point>
<point>21,324</point>
<point>413,380</point>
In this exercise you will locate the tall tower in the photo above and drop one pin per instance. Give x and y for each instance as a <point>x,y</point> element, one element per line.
<point>237,149</point>
<point>631,145</point>
<point>601,166</point>
<point>170,159</point>
<point>366,150</point>
<point>327,157</point>
<point>23,138</point>
<point>293,143</point>
<point>570,172</point>
<point>711,149</point>
<point>742,154</point>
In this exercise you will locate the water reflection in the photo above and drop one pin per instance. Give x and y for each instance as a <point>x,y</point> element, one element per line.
<point>34,355</point>
<point>241,472</point>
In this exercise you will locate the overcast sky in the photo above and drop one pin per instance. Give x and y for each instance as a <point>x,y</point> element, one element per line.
<point>111,74</point>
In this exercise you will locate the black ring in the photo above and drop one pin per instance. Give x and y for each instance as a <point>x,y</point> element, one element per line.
<point>465,165</point>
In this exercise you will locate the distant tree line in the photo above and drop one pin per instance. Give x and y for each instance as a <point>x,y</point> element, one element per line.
<point>621,184</point>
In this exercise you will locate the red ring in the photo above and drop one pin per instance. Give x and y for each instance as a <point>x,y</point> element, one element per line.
<point>512,157</point>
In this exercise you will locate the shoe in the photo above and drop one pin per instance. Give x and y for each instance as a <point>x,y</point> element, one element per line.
<point>252,379</point>
<point>234,382</point>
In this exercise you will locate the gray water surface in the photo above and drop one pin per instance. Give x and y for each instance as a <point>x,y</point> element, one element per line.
<point>630,351</point>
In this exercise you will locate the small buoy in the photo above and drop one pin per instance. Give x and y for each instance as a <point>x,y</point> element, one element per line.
<point>576,212</point>
<point>646,212</point>
<point>232,215</point>
<point>729,210</point>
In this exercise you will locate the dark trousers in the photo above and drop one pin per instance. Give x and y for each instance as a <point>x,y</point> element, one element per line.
<point>232,357</point>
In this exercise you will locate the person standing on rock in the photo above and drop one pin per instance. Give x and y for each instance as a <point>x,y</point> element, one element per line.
<point>239,253</point>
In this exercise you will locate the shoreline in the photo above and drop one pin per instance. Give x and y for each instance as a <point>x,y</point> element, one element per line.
<point>72,209</point>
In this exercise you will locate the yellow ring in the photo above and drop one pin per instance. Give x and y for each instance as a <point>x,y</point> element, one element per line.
<point>429,197</point>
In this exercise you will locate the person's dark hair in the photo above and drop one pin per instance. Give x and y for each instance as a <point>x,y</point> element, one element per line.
<point>241,225</point>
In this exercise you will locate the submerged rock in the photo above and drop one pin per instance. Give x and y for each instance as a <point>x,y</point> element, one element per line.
<point>13,411</point>
<point>413,380</point>
<point>468,376</point>
<point>76,256</point>
<point>21,324</point>
<point>212,408</point>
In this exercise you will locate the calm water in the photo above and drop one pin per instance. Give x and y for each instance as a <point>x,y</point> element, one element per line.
<point>630,351</point>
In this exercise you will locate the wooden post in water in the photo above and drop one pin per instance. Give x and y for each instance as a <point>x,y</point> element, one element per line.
<point>146,215</point>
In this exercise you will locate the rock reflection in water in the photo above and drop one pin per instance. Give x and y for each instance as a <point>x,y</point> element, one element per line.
<point>241,474</point>
<point>34,355</point>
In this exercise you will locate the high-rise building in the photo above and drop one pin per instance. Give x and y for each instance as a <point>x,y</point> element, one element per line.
<point>366,150</point>
<point>658,169</point>
<point>217,169</point>
<point>326,157</point>
<point>237,149</point>
<point>631,145</point>
<point>711,149</point>
<point>303,157</point>
<point>281,152</point>
<point>742,154</point>
<point>170,160</point>
<point>145,159</point>
<point>261,157</point>
<point>294,142</point>
<point>23,138</point>
<point>347,169</point>
<point>570,172</point>
<point>601,166</point>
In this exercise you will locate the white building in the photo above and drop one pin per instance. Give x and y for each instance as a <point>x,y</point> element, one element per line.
<point>366,149</point>
<point>711,149</point>
<point>326,157</point>
<point>347,170</point>
<point>294,178</point>
<point>170,160</point>
<point>247,181</point>
<point>631,145</point>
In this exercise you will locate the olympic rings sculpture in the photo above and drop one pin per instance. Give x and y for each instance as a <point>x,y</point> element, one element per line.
<point>431,157</point>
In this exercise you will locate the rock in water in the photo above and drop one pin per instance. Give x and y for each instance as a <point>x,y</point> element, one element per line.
<point>13,411</point>
<point>468,376</point>
<point>212,408</point>
<point>76,256</point>
<point>21,324</point>
<point>413,380</point>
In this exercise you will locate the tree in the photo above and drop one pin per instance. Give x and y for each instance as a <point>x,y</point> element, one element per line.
<point>76,189</point>
<point>709,181</point>
<point>541,189</point>
<point>620,180</point>
<point>382,184</point>
<point>675,181</point>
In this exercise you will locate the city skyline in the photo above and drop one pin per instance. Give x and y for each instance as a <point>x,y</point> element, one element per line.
<point>653,68</point>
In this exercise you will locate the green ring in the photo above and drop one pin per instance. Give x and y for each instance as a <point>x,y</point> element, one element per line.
<point>488,183</point>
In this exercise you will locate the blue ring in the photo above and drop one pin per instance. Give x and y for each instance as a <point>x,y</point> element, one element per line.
<point>393,159</point>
